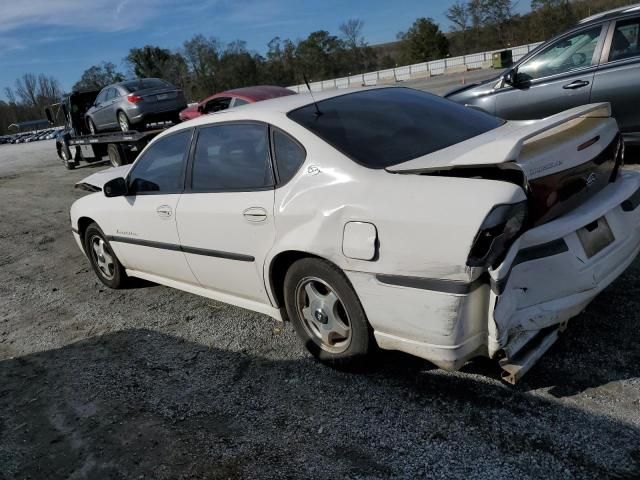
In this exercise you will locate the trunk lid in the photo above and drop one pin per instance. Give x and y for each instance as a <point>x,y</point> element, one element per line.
<point>563,159</point>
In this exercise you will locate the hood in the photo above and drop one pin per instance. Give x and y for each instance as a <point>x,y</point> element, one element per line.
<point>95,182</point>
<point>471,90</point>
<point>505,144</point>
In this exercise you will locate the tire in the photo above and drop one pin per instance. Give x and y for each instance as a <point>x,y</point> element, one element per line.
<point>104,262</point>
<point>67,157</point>
<point>116,155</point>
<point>123,122</point>
<point>92,126</point>
<point>326,313</point>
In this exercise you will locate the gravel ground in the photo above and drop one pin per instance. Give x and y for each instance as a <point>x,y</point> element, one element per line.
<point>155,383</point>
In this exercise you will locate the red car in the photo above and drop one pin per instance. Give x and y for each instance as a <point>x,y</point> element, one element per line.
<point>233,98</point>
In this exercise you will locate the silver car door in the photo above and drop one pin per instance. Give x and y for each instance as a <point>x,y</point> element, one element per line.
<point>557,78</point>
<point>617,80</point>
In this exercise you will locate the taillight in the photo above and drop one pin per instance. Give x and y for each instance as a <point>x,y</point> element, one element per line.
<point>133,98</point>
<point>497,233</point>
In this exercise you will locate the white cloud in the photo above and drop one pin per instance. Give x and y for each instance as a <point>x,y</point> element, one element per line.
<point>101,15</point>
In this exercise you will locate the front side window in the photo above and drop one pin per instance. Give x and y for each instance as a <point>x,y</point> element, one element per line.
<point>102,96</point>
<point>232,157</point>
<point>387,126</point>
<point>217,104</point>
<point>289,155</point>
<point>239,101</point>
<point>570,53</point>
<point>161,168</point>
<point>625,41</point>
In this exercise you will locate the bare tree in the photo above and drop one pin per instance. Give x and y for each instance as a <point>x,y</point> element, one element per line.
<point>352,33</point>
<point>459,15</point>
<point>27,89</point>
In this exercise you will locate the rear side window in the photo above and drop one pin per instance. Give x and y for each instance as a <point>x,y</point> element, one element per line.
<point>383,127</point>
<point>239,101</point>
<point>161,168</point>
<point>289,155</point>
<point>624,43</point>
<point>232,157</point>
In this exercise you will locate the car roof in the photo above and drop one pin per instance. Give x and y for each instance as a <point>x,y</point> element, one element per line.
<point>614,13</point>
<point>254,94</point>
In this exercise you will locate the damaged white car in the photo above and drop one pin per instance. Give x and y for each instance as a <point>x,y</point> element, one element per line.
<point>380,217</point>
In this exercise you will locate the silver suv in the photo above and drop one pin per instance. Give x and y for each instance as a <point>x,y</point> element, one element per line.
<point>596,61</point>
<point>135,103</point>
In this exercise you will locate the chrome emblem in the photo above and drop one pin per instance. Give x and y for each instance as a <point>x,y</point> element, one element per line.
<point>591,179</point>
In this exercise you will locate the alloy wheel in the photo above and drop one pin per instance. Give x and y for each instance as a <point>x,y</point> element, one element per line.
<point>102,257</point>
<point>323,314</point>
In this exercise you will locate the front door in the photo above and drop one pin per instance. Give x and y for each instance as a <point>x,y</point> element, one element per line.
<point>144,231</point>
<point>555,79</point>
<point>225,217</point>
<point>618,77</point>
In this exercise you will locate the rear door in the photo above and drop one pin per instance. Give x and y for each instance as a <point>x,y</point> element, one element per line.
<point>617,80</point>
<point>557,78</point>
<point>225,218</point>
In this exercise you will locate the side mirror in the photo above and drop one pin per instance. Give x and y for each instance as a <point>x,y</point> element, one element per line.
<point>511,77</point>
<point>201,108</point>
<point>116,187</point>
<point>49,115</point>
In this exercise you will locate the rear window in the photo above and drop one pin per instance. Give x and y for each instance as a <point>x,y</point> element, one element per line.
<point>144,83</point>
<point>384,127</point>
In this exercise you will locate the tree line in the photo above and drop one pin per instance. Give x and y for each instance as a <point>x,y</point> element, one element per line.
<point>204,65</point>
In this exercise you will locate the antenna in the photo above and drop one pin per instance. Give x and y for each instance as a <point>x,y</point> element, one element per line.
<point>306,81</point>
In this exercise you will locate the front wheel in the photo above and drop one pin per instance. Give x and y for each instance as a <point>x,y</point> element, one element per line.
<point>326,312</point>
<point>92,126</point>
<point>104,262</point>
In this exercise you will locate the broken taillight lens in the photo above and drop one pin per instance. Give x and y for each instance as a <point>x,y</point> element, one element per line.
<point>497,233</point>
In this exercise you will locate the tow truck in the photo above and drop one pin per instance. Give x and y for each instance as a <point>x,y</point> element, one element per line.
<point>77,143</point>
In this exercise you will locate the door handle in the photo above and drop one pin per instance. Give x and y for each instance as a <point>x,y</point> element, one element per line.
<point>576,84</point>
<point>164,211</point>
<point>255,214</point>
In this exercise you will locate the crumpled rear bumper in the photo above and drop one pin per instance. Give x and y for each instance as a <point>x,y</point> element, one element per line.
<point>553,271</point>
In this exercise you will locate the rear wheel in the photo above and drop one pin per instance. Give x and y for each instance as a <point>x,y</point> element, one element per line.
<point>67,157</point>
<point>326,312</point>
<point>104,262</point>
<point>123,122</point>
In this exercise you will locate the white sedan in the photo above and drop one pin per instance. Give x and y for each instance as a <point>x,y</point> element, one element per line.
<point>382,217</point>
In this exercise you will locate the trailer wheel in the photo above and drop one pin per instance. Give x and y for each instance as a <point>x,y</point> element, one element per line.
<point>116,155</point>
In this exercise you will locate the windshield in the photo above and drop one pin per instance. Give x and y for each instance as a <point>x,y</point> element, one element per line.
<point>384,127</point>
<point>144,83</point>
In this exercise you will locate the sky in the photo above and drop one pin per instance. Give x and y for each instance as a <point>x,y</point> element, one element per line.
<point>64,37</point>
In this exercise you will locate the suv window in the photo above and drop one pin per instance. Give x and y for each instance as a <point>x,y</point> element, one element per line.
<point>232,157</point>
<point>625,42</point>
<point>289,155</point>
<point>387,126</point>
<point>567,54</point>
<point>161,168</point>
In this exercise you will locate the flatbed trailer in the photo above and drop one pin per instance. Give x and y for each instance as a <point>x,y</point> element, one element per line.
<point>77,144</point>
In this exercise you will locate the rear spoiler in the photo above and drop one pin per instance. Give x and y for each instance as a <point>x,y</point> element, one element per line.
<point>500,145</point>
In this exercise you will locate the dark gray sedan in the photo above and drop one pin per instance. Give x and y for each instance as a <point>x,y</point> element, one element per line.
<point>596,61</point>
<point>133,104</point>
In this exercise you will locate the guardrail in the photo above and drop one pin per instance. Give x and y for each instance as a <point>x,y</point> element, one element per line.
<point>415,71</point>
